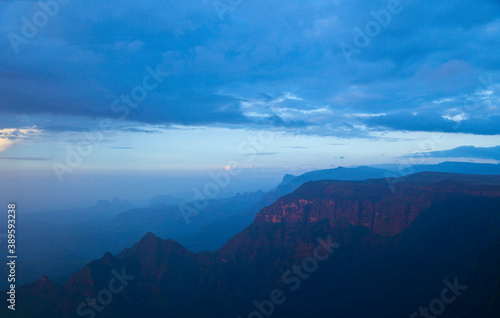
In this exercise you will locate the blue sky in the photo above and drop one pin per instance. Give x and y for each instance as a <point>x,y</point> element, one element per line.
<point>178,88</point>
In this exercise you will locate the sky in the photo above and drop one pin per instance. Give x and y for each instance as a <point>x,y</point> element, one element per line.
<point>136,99</point>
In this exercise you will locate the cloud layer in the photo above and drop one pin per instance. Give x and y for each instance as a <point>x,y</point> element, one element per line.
<point>431,66</point>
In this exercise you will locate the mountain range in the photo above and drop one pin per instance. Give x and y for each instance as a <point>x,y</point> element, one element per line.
<point>429,245</point>
<point>111,226</point>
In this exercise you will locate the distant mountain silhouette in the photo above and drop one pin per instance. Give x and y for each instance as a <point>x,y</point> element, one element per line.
<point>340,173</point>
<point>363,249</point>
<point>103,210</point>
<point>56,249</point>
<point>164,200</point>
<point>450,167</point>
<point>214,235</point>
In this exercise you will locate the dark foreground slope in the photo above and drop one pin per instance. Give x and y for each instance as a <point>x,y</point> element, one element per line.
<point>330,249</point>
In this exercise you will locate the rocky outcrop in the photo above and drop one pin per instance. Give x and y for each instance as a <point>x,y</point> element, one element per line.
<point>373,205</point>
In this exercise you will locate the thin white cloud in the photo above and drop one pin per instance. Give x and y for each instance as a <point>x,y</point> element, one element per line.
<point>10,136</point>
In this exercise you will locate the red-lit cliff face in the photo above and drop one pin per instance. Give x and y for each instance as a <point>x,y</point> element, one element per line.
<point>373,205</point>
<point>335,207</point>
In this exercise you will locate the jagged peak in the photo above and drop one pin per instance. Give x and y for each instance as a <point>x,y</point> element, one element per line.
<point>43,286</point>
<point>149,236</point>
<point>150,243</point>
<point>44,279</point>
<point>287,178</point>
<point>107,257</point>
<point>149,240</point>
